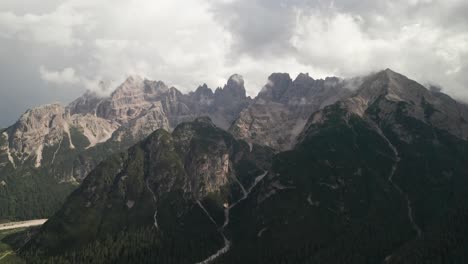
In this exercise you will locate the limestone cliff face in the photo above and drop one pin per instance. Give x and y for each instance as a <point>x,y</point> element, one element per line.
<point>96,130</point>
<point>138,128</point>
<point>133,111</point>
<point>280,111</point>
<point>37,128</point>
<point>223,105</point>
<point>86,104</point>
<point>229,102</point>
<point>130,99</point>
<point>48,127</point>
<point>207,158</point>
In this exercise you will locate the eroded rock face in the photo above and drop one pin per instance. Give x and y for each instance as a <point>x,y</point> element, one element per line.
<point>131,99</point>
<point>5,154</point>
<point>207,158</point>
<point>387,89</point>
<point>35,129</point>
<point>202,149</point>
<point>150,120</point>
<point>229,102</point>
<point>86,104</point>
<point>47,127</point>
<point>280,111</point>
<point>69,141</point>
<point>224,105</point>
<point>96,130</point>
<point>391,99</point>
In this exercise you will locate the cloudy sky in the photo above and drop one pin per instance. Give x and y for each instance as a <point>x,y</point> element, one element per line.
<point>53,50</point>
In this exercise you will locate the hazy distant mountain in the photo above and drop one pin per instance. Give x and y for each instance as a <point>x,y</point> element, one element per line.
<point>378,173</point>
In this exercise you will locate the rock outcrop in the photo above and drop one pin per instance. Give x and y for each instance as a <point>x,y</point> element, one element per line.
<point>281,109</point>
<point>385,92</point>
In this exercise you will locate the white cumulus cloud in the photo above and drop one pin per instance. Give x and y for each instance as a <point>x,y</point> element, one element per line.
<point>65,76</point>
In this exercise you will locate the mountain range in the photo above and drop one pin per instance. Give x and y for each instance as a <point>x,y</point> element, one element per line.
<point>365,170</point>
<point>56,146</point>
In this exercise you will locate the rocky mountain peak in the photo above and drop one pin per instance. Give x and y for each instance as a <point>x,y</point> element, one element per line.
<point>392,86</point>
<point>203,90</point>
<point>131,99</point>
<point>201,98</point>
<point>277,84</point>
<point>384,92</point>
<point>389,71</point>
<point>37,127</point>
<point>43,115</point>
<point>233,89</point>
<point>303,78</point>
<point>47,107</point>
<point>87,103</point>
<point>132,84</point>
<point>235,80</point>
<point>173,94</point>
<point>133,79</point>
<point>282,108</point>
<point>300,87</point>
<point>154,87</point>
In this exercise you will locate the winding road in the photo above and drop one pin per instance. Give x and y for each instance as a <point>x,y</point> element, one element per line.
<point>21,224</point>
<point>6,254</point>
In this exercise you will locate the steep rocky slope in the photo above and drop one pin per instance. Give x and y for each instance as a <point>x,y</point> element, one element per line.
<point>385,90</point>
<point>281,109</point>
